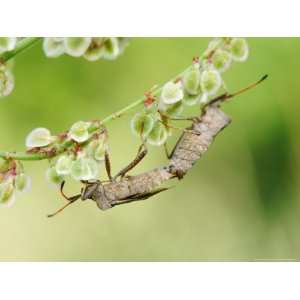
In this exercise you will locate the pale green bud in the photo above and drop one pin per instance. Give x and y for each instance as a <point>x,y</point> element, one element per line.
<point>221,60</point>
<point>39,137</point>
<point>158,135</point>
<point>142,124</point>
<point>191,81</point>
<point>7,82</point>
<point>96,149</point>
<point>7,43</point>
<point>239,49</point>
<point>100,151</point>
<point>95,50</point>
<point>111,48</point>
<point>7,194</point>
<point>22,182</point>
<point>210,82</point>
<point>172,92</point>
<point>52,176</point>
<point>63,165</point>
<point>79,131</point>
<point>76,46</point>
<point>84,169</point>
<point>171,110</point>
<point>53,47</point>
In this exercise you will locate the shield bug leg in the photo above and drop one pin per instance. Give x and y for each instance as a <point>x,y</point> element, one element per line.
<point>168,154</point>
<point>142,152</point>
<point>71,200</point>
<point>108,165</point>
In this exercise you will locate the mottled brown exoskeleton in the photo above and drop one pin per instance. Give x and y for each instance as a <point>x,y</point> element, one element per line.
<point>192,144</point>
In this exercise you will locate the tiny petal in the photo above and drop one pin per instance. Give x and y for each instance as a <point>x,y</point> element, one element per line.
<point>142,124</point>
<point>53,47</point>
<point>7,43</point>
<point>171,110</point>
<point>239,49</point>
<point>172,92</point>
<point>63,165</point>
<point>111,48</point>
<point>84,169</point>
<point>22,183</point>
<point>211,81</point>
<point>39,137</point>
<point>95,50</point>
<point>222,60</point>
<point>79,131</point>
<point>7,82</point>
<point>7,194</point>
<point>191,81</point>
<point>52,176</point>
<point>76,46</point>
<point>158,135</point>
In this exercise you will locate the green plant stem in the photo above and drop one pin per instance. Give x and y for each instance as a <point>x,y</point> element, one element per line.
<point>62,147</point>
<point>20,47</point>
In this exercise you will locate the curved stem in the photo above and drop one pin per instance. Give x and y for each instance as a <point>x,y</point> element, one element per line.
<point>20,47</point>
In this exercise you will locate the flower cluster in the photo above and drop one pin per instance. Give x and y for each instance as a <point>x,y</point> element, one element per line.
<point>12,181</point>
<point>81,161</point>
<point>91,48</point>
<point>6,76</point>
<point>200,83</point>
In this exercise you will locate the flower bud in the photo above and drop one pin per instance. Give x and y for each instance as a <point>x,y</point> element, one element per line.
<point>84,169</point>
<point>79,131</point>
<point>76,46</point>
<point>191,81</point>
<point>221,60</point>
<point>111,48</point>
<point>7,195</point>
<point>172,92</point>
<point>171,110</point>
<point>22,182</point>
<point>210,82</point>
<point>7,43</point>
<point>158,135</point>
<point>53,47</point>
<point>95,50</point>
<point>142,124</point>
<point>7,82</point>
<point>52,176</point>
<point>239,49</point>
<point>39,137</point>
<point>63,165</point>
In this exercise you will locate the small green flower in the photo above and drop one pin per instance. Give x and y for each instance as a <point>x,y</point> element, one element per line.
<point>96,149</point>
<point>7,43</point>
<point>191,81</point>
<point>210,82</point>
<point>239,49</point>
<point>39,137</point>
<point>63,165</point>
<point>158,135</point>
<point>84,168</point>
<point>95,50</point>
<point>76,46</point>
<point>221,60</point>
<point>111,48</point>
<point>172,92</point>
<point>142,124</point>
<point>7,194</point>
<point>22,182</point>
<point>171,110</point>
<point>7,82</point>
<point>79,131</point>
<point>52,176</point>
<point>53,46</point>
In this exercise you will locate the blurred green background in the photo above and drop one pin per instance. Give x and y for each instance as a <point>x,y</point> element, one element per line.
<point>240,202</point>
